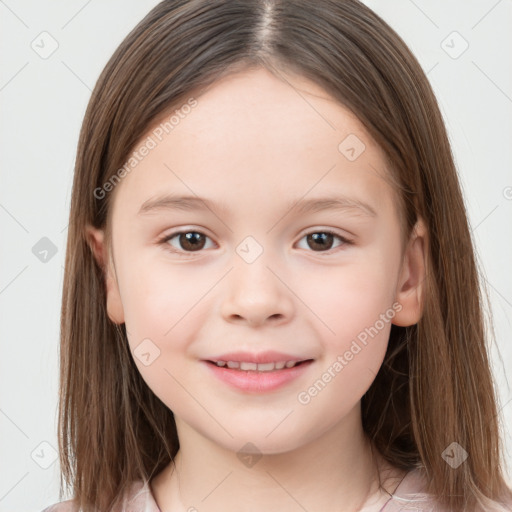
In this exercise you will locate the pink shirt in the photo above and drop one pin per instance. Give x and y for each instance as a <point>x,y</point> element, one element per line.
<point>408,497</point>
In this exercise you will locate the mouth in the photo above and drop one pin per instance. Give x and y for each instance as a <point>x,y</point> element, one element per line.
<point>258,367</point>
<point>257,378</point>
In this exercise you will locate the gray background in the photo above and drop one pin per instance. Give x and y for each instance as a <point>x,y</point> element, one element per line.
<point>43,100</point>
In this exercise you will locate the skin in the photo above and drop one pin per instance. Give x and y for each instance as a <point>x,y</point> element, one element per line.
<point>253,144</point>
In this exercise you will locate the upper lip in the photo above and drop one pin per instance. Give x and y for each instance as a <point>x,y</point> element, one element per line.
<point>270,356</point>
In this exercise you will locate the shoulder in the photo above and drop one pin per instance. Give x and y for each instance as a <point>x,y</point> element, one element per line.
<point>64,506</point>
<point>411,495</point>
<point>138,498</point>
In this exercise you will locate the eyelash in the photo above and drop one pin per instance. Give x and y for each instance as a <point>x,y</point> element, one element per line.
<point>185,254</point>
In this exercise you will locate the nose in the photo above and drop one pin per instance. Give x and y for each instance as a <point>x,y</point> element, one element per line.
<point>256,295</point>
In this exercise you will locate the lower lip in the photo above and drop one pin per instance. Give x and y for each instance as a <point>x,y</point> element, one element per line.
<point>259,382</point>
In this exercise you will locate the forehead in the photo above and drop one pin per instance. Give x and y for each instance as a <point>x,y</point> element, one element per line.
<point>251,137</point>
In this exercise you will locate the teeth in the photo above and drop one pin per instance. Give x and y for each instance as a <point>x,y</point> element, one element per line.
<point>261,367</point>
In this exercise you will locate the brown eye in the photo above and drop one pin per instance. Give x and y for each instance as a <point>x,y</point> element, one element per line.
<point>187,241</point>
<point>322,241</point>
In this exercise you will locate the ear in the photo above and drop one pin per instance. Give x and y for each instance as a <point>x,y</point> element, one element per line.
<point>410,286</point>
<point>96,240</point>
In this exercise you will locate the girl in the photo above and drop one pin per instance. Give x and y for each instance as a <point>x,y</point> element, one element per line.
<point>271,300</point>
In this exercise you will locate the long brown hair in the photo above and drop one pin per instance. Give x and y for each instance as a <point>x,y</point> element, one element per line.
<point>435,386</point>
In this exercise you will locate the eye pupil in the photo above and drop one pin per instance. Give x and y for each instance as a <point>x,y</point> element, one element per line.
<point>320,239</point>
<point>191,238</point>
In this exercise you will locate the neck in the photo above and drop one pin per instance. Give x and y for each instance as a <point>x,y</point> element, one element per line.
<point>337,471</point>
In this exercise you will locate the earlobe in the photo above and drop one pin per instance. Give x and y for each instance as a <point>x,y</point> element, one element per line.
<point>96,240</point>
<point>410,286</point>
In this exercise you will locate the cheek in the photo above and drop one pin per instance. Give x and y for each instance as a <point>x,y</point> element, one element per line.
<point>351,296</point>
<point>162,302</point>
<point>164,307</point>
<point>358,314</point>
<point>354,303</point>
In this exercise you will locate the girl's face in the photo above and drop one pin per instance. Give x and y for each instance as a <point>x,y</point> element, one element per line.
<point>258,270</point>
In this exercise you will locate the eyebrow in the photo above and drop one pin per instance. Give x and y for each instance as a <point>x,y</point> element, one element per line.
<point>188,203</point>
